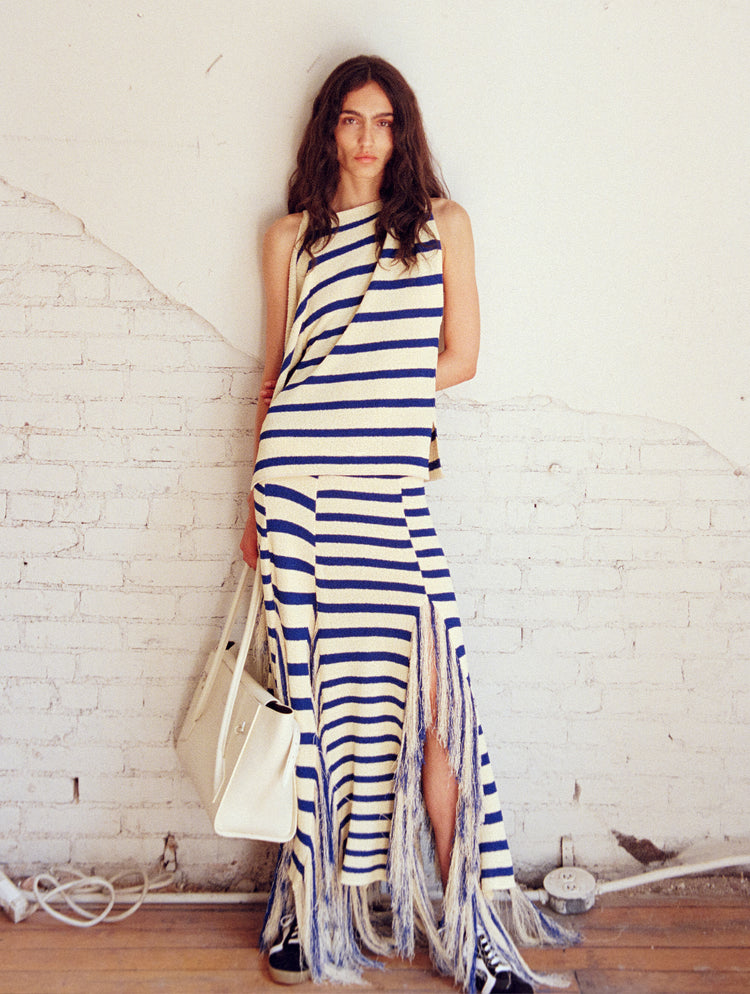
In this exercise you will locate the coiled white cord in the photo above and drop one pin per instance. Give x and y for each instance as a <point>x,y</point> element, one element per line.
<point>47,888</point>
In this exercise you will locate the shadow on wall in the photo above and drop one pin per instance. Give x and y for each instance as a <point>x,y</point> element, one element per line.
<point>602,566</point>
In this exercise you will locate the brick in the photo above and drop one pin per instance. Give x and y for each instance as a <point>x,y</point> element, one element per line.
<point>130,350</point>
<point>197,386</point>
<point>127,480</point>
<point>130,511</point>
<point>39,478</point>
<point>693,456</point>
<point>671,579</point>
<point>596,641</point>
<point>633,486</point>
<point>113,664</point>
<point>494,577</point>
<point>537,547</point>
<point>177,511</point>
<point>77,382</point>
<point>79,321</point>
<point>12,319</point>
<point>730,517</point>
<point>28,507</point>
<point>31,602</point>
<point>718,548</point>
<point>89,286</point>
<point>36,789</point>
<point>553,486</point>
<point>530,608</point>
<point>10,569</point>
<point>723,611</point>
<point>567,455</point>
<point>462,422</point>
<point>562,578</point>
<point>636,610</point>
<point>71,819</point>
<point>132,543</point>
<point>37,540</point>
<point>42,729</point>
<point>738,580</point>
<point>36,350</point>
<point>10,820</point>
<point>17,248</point>
<point>10,633</point>
<point>221,543</point>
<point>77,635</point>
<point>219,480</point>
<point>681,642</point>
<point>72,253</point>
<point>492,638</point>
<point>172,322</point>
<point>39,284</point>
<point>126,604</point>
<point>79,448</point>
<point>644,517</point>
<point>12,384</point>
<point>201,573</point>
<point>225,414</point>
<point>38,414</point>
<point>11,448</point>
<point>167,636</point>
<point>77,509</point>
<point>715,486</point>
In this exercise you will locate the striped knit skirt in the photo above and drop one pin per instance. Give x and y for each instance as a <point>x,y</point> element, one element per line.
<point>363,635</point>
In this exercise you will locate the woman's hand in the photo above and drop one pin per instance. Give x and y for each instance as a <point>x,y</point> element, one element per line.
<point>249,543</point>
<point>267,388</point>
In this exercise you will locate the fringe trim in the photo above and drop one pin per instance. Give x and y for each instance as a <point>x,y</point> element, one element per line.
<point>334,918</point>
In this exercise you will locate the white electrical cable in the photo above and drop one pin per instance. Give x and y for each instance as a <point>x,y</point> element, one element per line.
<point>80,889</point>
<point>668,872</point>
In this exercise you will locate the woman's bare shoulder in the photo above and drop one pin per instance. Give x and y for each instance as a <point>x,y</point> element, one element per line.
<point>453,224</point>
<point>279,240</point>
<point>283,231</point>
<point>448,212</point>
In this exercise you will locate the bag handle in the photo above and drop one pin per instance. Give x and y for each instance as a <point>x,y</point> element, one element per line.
<point>213,668</point>
<point>256,601</point>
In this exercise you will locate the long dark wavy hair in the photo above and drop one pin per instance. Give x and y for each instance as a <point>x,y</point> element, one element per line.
<point>410,178</point>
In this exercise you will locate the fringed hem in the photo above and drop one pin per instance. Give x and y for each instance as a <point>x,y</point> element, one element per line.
<point>335,918</point>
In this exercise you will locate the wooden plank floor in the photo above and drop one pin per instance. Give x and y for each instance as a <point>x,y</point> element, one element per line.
<point>656,943</point>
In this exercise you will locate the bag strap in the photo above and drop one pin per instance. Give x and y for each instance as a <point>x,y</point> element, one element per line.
<point>256,601</point>
<point>214,665</point>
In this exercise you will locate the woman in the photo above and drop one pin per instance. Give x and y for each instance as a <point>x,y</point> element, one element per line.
<point>370,264</point>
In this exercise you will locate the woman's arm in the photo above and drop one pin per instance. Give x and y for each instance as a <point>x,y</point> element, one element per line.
<point>278,246</point>
<point>458,360</point>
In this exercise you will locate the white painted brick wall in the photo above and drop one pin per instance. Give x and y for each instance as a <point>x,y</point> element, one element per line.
<point>602,566</point>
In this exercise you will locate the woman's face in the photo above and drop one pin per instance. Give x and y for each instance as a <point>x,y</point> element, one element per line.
<point>364,133</point>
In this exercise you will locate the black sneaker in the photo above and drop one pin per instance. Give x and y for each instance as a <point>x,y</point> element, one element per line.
<point>492,976</point>
<point>286,960</point>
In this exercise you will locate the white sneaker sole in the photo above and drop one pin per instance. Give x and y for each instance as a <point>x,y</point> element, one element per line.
<point>288,976</point>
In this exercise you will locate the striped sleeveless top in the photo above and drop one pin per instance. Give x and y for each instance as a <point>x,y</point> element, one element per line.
<point>356,392</point>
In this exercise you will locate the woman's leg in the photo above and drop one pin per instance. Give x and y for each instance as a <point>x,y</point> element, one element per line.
<point>440,792</point>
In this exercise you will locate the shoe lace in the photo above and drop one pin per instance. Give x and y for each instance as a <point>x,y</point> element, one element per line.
<point>289,928</point>
<point>491,960</point>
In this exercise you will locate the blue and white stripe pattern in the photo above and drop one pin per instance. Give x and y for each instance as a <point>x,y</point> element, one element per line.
<point>361,618</point>
<point>356,392</point>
